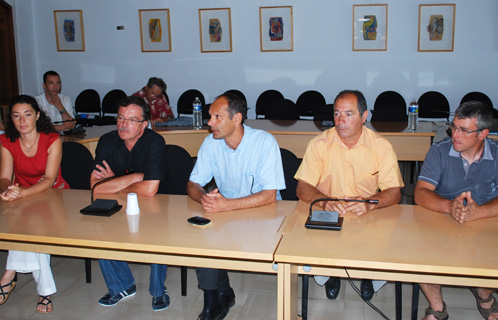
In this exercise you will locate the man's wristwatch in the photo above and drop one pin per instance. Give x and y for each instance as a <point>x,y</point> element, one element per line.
<point>62,111</point>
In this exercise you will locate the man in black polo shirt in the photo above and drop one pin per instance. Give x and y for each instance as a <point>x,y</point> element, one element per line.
<point>136,155</point>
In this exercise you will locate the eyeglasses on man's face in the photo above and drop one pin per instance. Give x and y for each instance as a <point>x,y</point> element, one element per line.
<point>463,131</point>
<point>132,121</point>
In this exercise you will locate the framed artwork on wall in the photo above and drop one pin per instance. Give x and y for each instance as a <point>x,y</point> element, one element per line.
<point>276,33</point>
<point>155,31</point>
<point>436,27</point>
<point>215,30</point>
<point>69,32</point>
<point>370,27</point>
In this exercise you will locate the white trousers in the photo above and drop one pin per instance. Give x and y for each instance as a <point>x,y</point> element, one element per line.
<point>38,264</point>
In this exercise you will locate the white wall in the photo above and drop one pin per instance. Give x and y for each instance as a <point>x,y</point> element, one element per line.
<point>322,58</point>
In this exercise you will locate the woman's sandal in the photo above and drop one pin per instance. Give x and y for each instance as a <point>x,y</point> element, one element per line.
<point>439,315</point>
<point>483,311</point>
<point>5,295</point>
<point>44,302</point>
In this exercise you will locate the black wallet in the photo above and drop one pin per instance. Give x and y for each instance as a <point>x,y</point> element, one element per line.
<point>102,207</point>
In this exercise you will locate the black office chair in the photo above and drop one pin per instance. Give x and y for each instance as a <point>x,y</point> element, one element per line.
<point>179,165</point>
<point>184,105</point>
<point>290,163</point>
<point>265,100</point>
<point>389,106</point>
<point>76,168</point>
<point>167,98</point>
<point>178,169</point>
<point>325,113</point>
<point>76,165</point>
<point>87,102</point>
<point>282,109</point>
<point>479,96</point>
<point>238,93</point>
<point>205,113</point>
<point>110,106</point>
<point>309,102</point>
<point>433,104</point>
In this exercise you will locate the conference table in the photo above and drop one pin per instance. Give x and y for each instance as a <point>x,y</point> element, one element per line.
<point>400,243</point>
<point>292,135</point>
<point>50,222</point>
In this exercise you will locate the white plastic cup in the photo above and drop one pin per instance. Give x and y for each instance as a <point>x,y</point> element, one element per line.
<point>133,222</point>
<point>132,204</point>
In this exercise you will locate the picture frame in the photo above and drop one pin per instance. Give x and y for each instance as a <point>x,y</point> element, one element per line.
<point>436,27</point>
<point>215,28</point>
<point>69,31</point>
<point>370,27</point>
<point>155,30</point>
<point>276,29</point>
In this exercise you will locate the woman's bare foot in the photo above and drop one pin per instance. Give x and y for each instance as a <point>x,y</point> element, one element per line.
<point>6,283</point>
<point>44,304</point>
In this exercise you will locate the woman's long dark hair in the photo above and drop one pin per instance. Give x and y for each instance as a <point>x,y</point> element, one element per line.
<point>43,124</point>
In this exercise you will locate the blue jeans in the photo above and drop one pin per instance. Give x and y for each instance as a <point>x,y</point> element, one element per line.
<point>118,277</point>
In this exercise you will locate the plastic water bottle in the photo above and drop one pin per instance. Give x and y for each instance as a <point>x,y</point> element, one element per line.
<point>413,116</point>
<point>197,119</point>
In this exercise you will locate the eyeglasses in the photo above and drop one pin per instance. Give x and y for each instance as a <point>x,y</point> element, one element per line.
<point>463,130</point>
<point>131,121</point>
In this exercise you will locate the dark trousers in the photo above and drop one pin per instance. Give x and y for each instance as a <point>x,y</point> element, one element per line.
<point>212,279</point>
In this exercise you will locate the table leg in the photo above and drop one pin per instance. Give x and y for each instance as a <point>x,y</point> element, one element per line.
<point>287,292</point>
<point>183,277</point>
<point>88,270</point>
<point>398,293</point>
<point>415,295</point>
<point>304,298</point>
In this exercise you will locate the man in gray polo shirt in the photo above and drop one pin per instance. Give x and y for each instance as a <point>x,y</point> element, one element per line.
<point>459,177</point>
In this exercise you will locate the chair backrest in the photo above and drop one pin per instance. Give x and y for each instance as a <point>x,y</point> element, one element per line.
<point>265,100</point>
<point>167,97</point>
<point>238,93</point>
<point>88,101</point>
<point>290,163</point>
<point>110,101</point>
<point>477,96</point>
<point>205,112</point>
<point>482,97</point>
<point>309,102</point>
<point>390,98</point>
<point>325,112</point>
<point>179,165</point>
<point>282,109</point>
<point>433,104</point>
<point>77,165</point>
<point>389,106</point>
<point>185,101</point>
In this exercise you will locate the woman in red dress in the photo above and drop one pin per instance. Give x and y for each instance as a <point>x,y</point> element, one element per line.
<point>31,150</point>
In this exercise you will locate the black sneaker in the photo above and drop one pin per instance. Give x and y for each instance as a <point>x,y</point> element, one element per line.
<point>162,302</point>
<point>111,300</point>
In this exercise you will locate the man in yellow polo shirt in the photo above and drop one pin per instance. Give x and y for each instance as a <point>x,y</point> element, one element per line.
<point>349,161</point>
